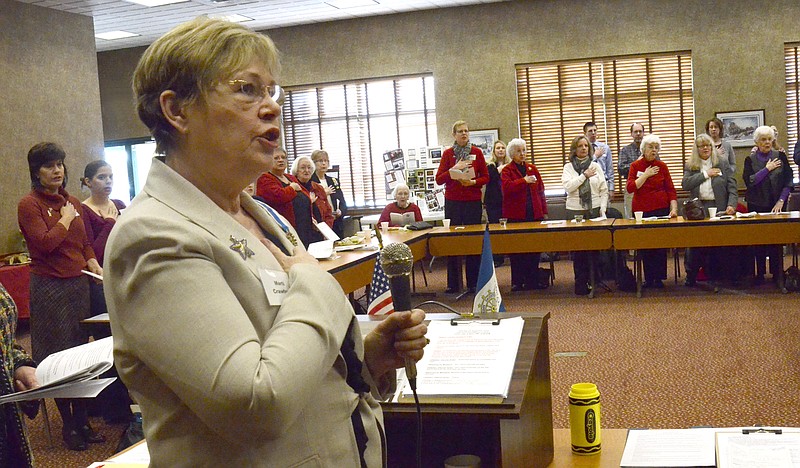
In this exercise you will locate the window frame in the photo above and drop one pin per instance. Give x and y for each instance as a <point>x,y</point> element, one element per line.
<point>653,89</point>
<point>359,153</point>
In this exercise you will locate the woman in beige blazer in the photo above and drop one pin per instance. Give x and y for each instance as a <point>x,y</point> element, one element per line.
<point>240,349</point>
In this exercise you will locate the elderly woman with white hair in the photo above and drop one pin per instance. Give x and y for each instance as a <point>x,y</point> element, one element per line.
<point>709,178</point>
<point>312,207</point>
<point>523,200</point>
<point>587,195</point>
<point>654,194</point>
<point>401,205</point>
<point>768,178</point>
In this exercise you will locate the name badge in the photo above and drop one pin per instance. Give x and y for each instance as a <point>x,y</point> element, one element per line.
<point>276,285</point>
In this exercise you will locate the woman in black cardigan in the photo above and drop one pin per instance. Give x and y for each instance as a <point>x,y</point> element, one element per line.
<point>768,178</point>
<point>332,189</point>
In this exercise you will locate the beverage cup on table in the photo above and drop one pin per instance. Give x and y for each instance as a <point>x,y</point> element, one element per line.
<point>503,222</point>
<point>385,226</point>
<point>446,223</point>
<point>638,215</point>
<point>712,211</point>
<point>367,235</point>
<point>578,218</point>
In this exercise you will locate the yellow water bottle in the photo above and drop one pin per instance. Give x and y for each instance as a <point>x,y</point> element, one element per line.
<point>584,418</point>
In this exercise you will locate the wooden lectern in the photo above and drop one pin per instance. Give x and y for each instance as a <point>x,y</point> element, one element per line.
<point>515,433</point>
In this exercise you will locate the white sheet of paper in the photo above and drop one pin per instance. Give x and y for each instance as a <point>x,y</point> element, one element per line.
<point>327,232</point>
<point>93,275</point>
<point>469,359</point>
<point>669,448</point>
<point>321,250</point>
<point>737,450</point>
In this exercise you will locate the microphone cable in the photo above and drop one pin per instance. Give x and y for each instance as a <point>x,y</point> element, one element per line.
<point>412,382</point>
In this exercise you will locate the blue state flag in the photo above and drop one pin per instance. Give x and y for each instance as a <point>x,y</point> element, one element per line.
<point>487,297</point>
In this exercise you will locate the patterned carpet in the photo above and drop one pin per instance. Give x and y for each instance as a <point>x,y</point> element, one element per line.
<point>677,357</point>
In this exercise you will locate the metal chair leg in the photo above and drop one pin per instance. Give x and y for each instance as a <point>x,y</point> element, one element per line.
<point>46,422</point>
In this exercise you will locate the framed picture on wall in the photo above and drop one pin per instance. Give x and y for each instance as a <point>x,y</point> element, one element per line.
<point>738,126</point>
<point>484,139</point>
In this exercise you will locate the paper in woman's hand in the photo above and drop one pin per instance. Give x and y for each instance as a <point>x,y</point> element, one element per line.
<point>67,374</point>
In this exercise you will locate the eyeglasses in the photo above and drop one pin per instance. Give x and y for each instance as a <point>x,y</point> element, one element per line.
<point>706,145</point>
<point>257,93</point>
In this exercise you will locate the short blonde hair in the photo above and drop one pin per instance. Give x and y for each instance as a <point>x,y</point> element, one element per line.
<point>316,155</point>
<point>458,124</point>
<point>190,60</point>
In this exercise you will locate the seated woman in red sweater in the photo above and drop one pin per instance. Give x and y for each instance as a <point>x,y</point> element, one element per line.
<point>654,194</point>
<point>400,205</point>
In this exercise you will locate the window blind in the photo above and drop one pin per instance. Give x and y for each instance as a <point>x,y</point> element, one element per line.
<point>555,99</point>
<point>356,122</point>
<point>792,64</point>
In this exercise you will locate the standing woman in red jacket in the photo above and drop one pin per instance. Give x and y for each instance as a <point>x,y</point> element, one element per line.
<point>50,219</point>
<point>523,200</point>
<point>654,194</point>
<point>277,188</point>
<point>462,199</point>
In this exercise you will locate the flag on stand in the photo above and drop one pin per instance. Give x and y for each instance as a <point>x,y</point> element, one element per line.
<point>380,296</point>
<point>487,297</point>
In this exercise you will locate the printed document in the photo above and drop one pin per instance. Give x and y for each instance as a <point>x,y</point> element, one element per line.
<point>403,219</point>
<point>473,360</point>
<point>669,448</point>
<point>67,374</point>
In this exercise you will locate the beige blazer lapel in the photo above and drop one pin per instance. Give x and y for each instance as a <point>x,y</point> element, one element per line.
<point>180,195</point>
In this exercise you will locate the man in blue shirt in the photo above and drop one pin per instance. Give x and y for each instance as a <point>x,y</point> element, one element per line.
<point>627,155</point>
<point>601,153</point>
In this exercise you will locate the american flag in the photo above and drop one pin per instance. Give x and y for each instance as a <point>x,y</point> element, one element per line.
<point>380,296</point>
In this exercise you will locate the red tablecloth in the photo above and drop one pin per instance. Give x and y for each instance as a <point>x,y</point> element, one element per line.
<point>16,279</point>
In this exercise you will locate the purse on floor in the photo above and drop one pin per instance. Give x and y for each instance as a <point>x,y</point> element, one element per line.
<point>693,209</point>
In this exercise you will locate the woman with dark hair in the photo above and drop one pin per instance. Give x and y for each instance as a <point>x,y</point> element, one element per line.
<point>99,216</point>
<point>333,192</point>
<point>493,193</point>
<point>587,195</point>
<point>59,250</point>
<point>716,131</point>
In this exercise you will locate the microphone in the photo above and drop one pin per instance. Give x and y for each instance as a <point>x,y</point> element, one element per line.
<point>397,262</point>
